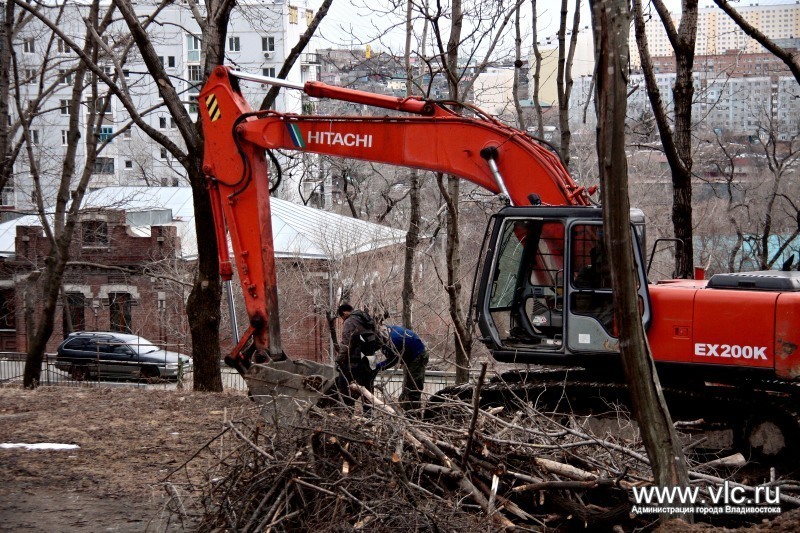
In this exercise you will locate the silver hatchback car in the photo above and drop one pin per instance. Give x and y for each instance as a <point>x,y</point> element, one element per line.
<point>118,355</point>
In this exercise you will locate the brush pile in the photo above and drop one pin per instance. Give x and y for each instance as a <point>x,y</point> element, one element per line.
<point>462,469</point>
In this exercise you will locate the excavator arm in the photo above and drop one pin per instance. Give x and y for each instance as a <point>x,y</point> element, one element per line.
<point>429,136</point>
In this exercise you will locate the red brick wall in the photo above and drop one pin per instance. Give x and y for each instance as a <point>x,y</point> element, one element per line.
<point>157,310</point>
<point>303,286</point>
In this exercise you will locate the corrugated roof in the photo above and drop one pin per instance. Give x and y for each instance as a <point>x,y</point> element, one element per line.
<point>298,231</point>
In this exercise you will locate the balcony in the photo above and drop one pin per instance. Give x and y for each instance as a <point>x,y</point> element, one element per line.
<point>309,59</point>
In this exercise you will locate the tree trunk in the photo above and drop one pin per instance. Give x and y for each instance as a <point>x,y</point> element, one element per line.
<point>203,304</point>
<point>677,145</point>
<point>683,98</point>
<point>537,69</point>
<point>44,286</point>
<point>462,339</point>
<point>610,22</point>
<point>517,68</point>
<point>564,79</point>
<point>461,336</point>
<point>6,48</point>
<point>412,236</point>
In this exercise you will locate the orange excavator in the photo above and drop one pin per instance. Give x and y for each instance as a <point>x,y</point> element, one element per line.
<point>542,294</point>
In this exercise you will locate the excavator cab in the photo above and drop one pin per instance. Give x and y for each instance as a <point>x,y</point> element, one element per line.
<point>544,290</point>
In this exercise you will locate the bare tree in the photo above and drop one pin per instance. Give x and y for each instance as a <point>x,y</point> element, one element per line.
<point>517,68</point>
<point>44,282</point>
<point>413,233</point>
<point>564,75</point>
<point>203,305</point>
<point>537,69</point>
<point>204,300</point>
<point>6,49</point>
<point>777,199</point>
<point>449,51</point>
<point>610,23</point>
<point>677,141</point>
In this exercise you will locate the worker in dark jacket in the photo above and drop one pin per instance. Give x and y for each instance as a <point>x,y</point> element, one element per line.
<point>407,346</point>
<point>359,340</point>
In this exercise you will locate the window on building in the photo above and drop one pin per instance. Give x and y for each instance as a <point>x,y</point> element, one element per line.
<point>8,316</point>
<point>104,165</point>
<point>106,134</point>
<point>162,122</point>
<point>193,48</point>
<point>268,72</point>
<point>29,74</point>
<point>65,77</point>
<point>95,233</point>
<point>233,44</point>
<point>64,107</point>
<point>8,195</point>
<point>128,164</point>
<point>64,137</point>
<point>74,318</point>
<point>268,44</point>
<point>192,103</point>
<point>63,47</point>
<point>171,61</point>
<point>28,46</point>
<point>164,154</point>
<point>100,106</point>
<point>119,308</point>
<point>128,133</point>
<point>309,17</point>
<point>195,73</point>
<point>292,15</point>
<point>34,136</point>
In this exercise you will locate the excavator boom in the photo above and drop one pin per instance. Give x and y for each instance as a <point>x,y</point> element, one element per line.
<point>427,136</point>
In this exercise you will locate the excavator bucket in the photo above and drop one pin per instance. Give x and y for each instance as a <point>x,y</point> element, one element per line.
<point>286,390</point>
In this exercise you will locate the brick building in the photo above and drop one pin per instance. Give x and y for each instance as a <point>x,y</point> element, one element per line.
<point>110,284</point>
<point>131,266</point>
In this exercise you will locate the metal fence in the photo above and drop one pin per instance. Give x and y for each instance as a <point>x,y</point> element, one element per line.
<point>12,367</point>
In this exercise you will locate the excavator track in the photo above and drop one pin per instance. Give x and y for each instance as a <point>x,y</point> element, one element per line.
<point>759,419</point>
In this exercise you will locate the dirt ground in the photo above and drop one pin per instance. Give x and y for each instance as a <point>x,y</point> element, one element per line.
<point>129,440</point>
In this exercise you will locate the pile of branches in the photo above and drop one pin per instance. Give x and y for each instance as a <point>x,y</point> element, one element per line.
<point>463,469</point>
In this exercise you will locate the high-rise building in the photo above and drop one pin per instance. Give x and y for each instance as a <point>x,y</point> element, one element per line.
<point>740,89</point>
<point>260,36</point>
<point>717,33</point>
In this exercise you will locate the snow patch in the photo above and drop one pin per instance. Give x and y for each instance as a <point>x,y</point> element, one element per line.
<point>40,446</point>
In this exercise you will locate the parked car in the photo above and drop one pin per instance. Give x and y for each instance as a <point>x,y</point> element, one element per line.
<point>117,355</point>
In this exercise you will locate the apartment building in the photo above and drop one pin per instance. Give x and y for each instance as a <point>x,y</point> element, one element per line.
<point>260,35</point>
<point>717,33</point>
<point>740,88</point>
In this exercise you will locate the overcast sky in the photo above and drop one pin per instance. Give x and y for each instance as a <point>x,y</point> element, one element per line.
<point>356,23</point>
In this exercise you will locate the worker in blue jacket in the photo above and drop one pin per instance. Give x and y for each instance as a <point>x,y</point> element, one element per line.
<point>406,345</point>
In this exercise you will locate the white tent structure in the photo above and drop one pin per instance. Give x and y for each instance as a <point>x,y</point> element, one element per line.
<point>298,231</point>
